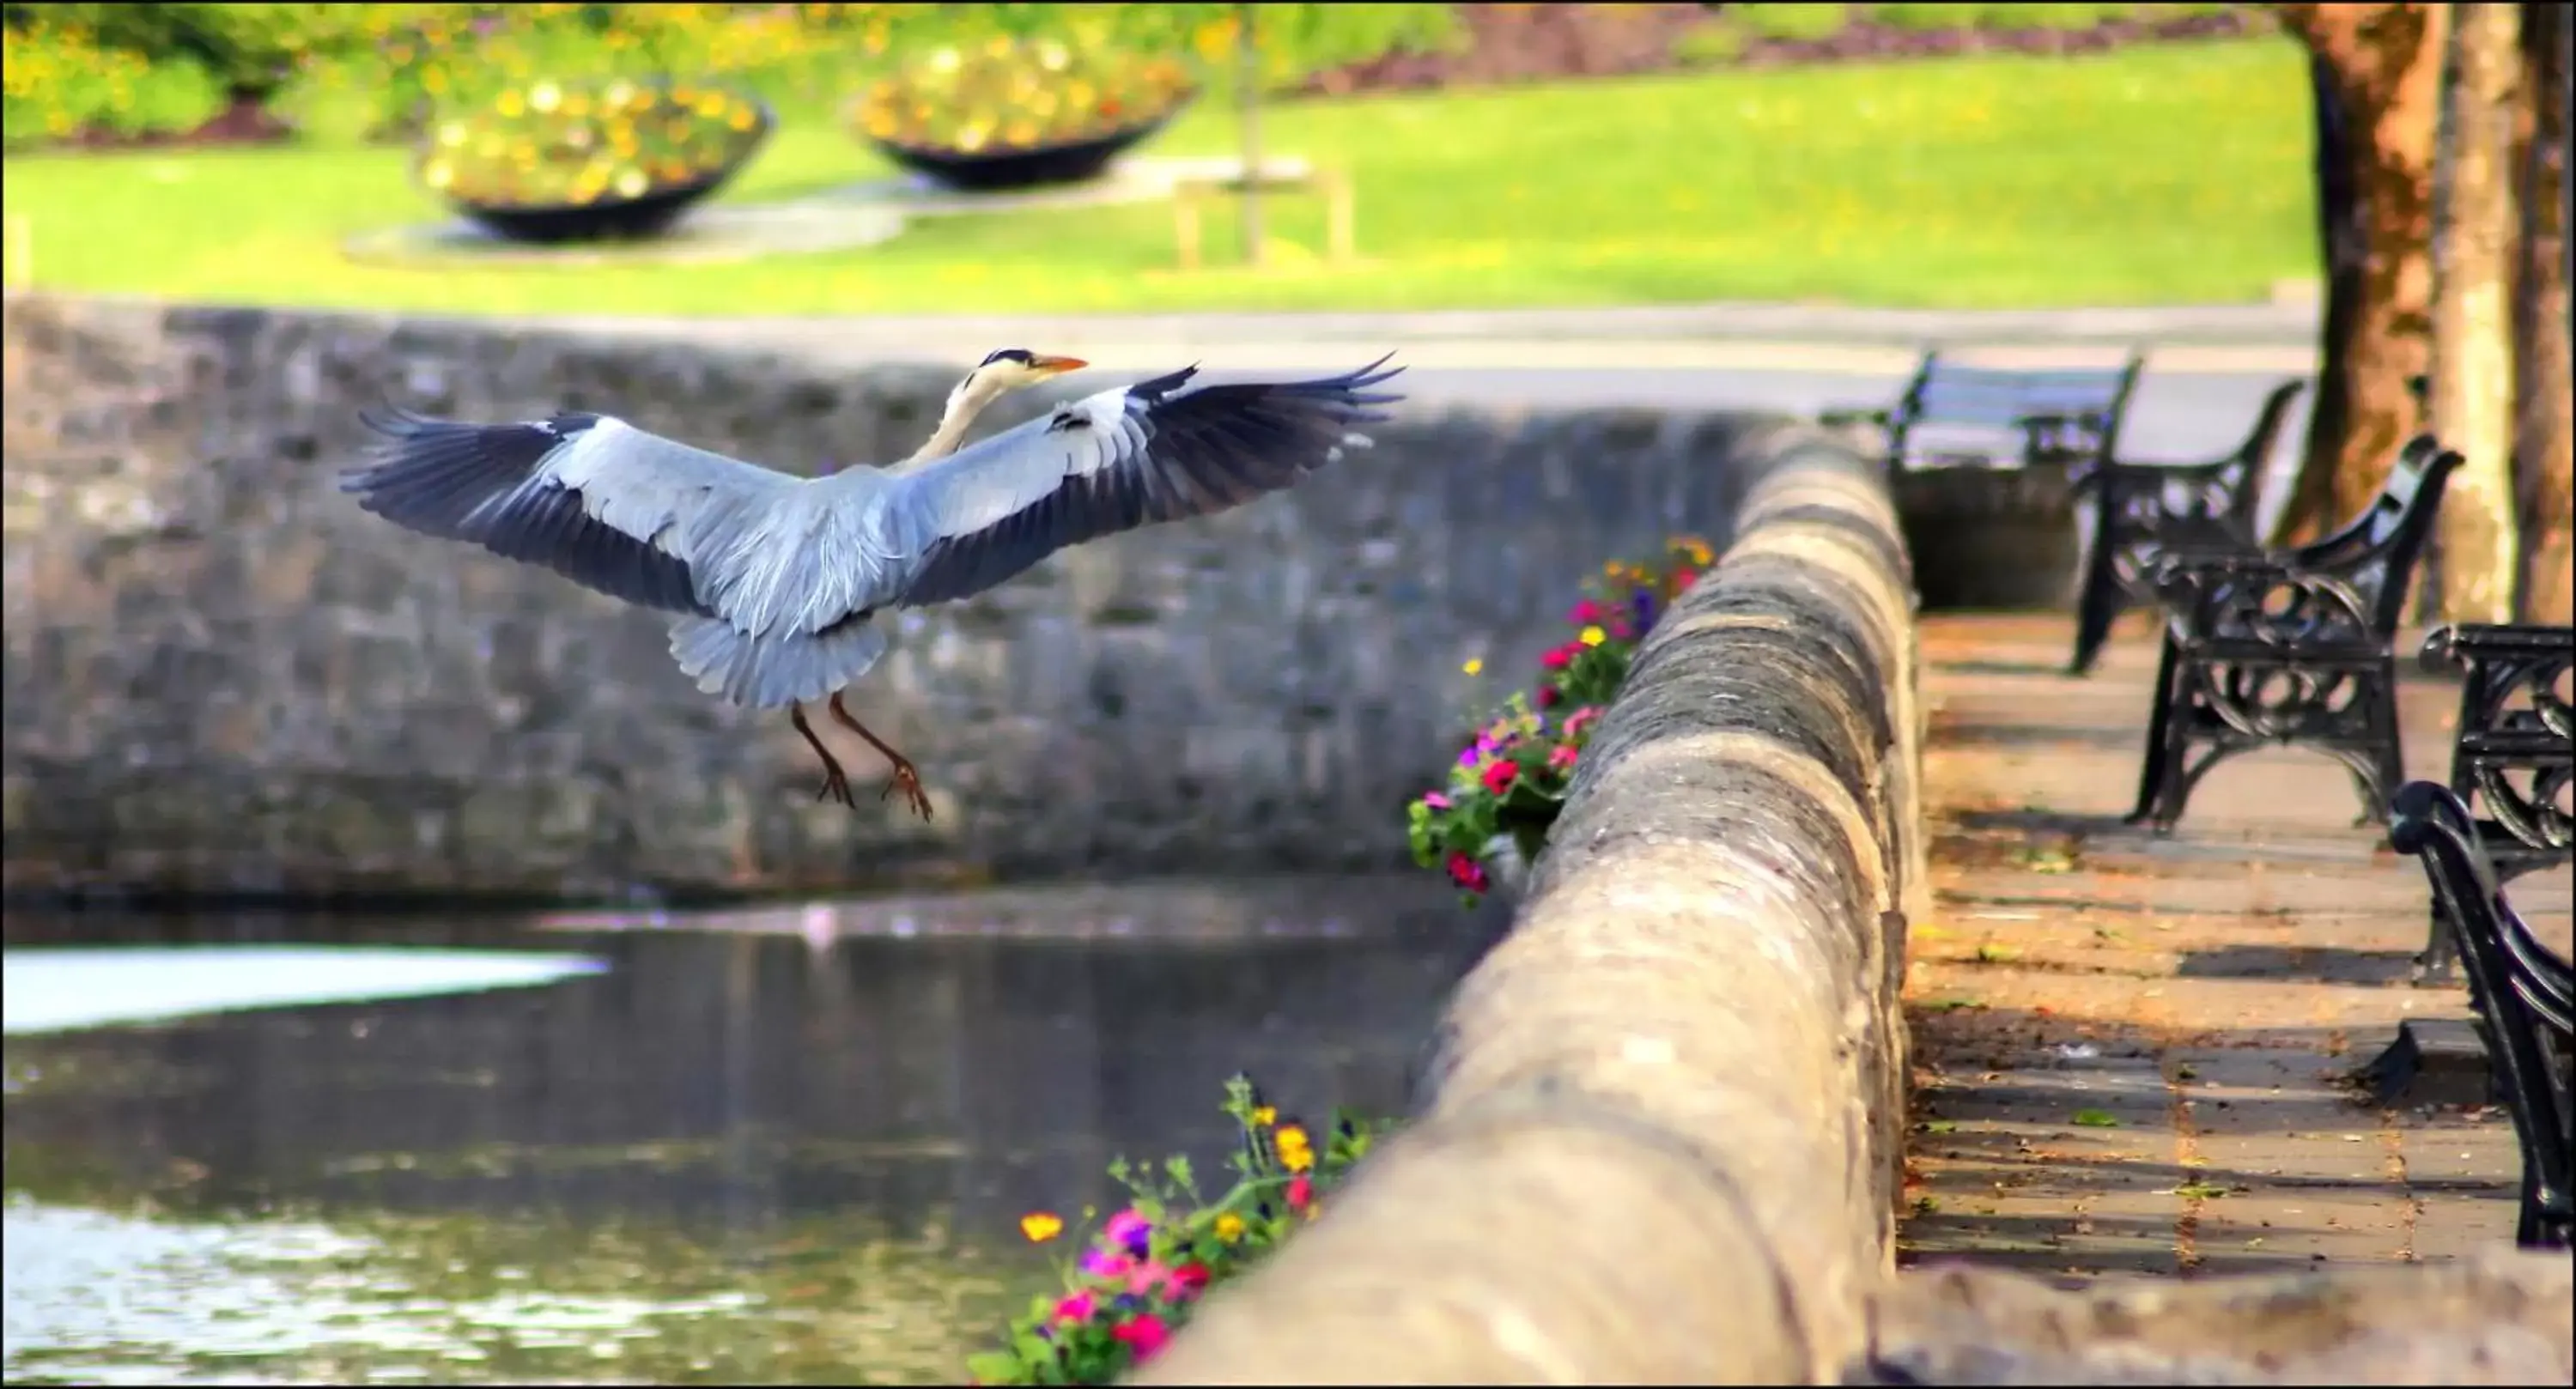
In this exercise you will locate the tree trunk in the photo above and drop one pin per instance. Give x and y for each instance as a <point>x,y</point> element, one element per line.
<point>2384,65</point>
<point>2472,579</point>
<point>2544,395</point>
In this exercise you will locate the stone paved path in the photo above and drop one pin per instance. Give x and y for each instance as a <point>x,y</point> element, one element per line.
<point>2132,1054</point>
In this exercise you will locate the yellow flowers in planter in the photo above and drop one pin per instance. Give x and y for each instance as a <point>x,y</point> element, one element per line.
<point>1007,94</point>
<point>551,144</point>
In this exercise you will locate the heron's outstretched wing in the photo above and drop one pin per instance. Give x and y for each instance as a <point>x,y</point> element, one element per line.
<point>629,513</point>
<point>1156,451</point>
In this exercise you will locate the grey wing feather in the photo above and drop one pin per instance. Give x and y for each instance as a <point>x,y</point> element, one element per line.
<point>1155,452</point>
<point>631,514</point>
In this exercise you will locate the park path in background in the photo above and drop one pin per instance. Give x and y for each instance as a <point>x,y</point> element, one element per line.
<point>2132,1055</point>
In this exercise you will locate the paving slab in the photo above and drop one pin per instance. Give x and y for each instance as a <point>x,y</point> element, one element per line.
<point>2207,998</point>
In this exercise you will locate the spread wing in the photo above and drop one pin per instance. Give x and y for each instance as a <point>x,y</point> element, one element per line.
<point>1159,450</point>
<point>636,516</point>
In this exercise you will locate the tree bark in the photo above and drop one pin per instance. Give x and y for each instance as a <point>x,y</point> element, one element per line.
<point>2544,395</point>
<point>2383,64</point>
<point>2473,578</point>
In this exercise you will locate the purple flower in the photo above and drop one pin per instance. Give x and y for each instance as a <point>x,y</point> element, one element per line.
<point>1131,1229</point>
<point>1644,604</point>
<point>1106,1263</point>
<point>1467,755</point>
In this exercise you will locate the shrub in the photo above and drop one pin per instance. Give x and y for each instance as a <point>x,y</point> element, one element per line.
<point>1139,1277</point>
<point>1508,784</point>
<point>60,79</point>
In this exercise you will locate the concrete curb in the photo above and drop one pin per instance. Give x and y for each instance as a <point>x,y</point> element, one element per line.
<point>1662,1138</point>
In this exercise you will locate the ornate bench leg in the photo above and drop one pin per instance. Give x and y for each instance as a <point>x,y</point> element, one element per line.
<point>2153,771</point>
<point>2388,747</point>
<point>2095,611</point>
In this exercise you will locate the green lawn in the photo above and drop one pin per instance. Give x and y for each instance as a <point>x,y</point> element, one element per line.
<point>2157,174</point>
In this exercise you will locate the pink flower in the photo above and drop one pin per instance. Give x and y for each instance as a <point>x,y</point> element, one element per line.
<point>1144,1335</point>
<point>1130,1229</point>
<point>1076,1308</point>
<point>1147,1277</point>
<point>1435,801</point>
<point>1103,1263</point>
<point>1498,777</point>
<point>1585,613</point>
<point>1581,719</point>
<point>1466,872</point>
<point>1561,757</point>
<point>1301,1192</point>
<point>1558,658</point>
<point>1684,578</point>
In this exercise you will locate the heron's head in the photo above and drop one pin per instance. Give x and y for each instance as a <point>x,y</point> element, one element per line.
<point>1010,368</point>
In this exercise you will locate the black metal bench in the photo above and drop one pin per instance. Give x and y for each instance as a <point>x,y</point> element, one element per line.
<point>1983,417</point>
<point>2143,508</point>
<point>2290,646</point>
<point>2514,755</point>
<point>2524,993</point>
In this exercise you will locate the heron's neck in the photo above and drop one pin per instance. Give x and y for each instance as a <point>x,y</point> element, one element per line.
<point>964,404</point>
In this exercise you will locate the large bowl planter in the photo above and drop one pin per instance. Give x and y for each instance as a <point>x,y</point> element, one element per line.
<point>1019,115</point>
<point>553,163</point>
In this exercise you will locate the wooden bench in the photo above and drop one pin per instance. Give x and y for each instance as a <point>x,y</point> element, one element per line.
<point>2290,647</point>
<point>2143,508</point>
<point>2524,993</point>
<point>2514,755</point>
<point>1190,197</point>
<point>1984,417</point>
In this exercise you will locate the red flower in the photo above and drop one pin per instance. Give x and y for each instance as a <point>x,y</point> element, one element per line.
<point>1301,1192</point>
<point>1498,776</point>
<point>1684,578</point>
<point>1144,1335</point>
<point>1558,658</point>
<point>1550,696</point>
<point>1585,613</point>
<point>1466,872</point>
<point>1188,1280</point>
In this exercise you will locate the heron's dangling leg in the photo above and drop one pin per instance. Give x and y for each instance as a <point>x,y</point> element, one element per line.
<point>835,785</point>
<point>904,775</point>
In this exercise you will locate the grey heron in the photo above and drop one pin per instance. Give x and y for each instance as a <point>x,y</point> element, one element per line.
<point>774,580</point>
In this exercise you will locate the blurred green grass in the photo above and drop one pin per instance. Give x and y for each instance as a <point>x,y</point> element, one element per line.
<point>2164,173</point>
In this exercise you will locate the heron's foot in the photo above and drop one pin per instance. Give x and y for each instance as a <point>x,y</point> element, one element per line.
<point>908,781</point>
<point>836,787</point>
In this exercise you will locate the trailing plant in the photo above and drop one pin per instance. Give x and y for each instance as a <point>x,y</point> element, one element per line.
<point>1137,1279</point>
<point>1508,784</point>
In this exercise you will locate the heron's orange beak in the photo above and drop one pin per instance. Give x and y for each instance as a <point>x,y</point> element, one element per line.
<point>1056,366</point>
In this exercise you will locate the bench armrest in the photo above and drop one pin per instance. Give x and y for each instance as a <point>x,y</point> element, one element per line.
<point>2249,595</point>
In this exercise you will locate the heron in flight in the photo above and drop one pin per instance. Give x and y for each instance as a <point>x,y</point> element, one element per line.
<point>774,580</point>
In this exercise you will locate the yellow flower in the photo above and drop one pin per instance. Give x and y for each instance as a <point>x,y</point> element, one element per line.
<point>1041,1226</point>
<point>1266,1115</point>
<point>1229,1227</point>
<point>1474,667</point>
<point>1295,1152</point>
<point>1594,636</point>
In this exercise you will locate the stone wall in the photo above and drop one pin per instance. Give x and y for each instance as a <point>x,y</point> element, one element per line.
<point>1663,1141</point>
<point>223,678</point>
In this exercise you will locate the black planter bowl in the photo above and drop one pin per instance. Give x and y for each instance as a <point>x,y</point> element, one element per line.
<point>609,219</point>
<point>998,170</point>
<point>644,215</point>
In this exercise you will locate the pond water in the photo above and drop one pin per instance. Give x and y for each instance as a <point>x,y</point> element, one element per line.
<point>597,1150</point>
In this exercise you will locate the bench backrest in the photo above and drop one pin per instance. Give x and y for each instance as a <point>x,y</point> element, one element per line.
<point>2376,551</point>
<point>1994,401</point>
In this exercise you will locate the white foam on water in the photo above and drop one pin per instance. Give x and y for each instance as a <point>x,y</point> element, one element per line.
<point>51,990</point>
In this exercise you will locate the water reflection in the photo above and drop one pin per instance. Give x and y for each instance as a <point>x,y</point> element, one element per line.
<point>730,1156</point>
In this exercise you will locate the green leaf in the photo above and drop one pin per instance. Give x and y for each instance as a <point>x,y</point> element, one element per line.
<point>996,1367</point>
<point>2096,1119</point>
